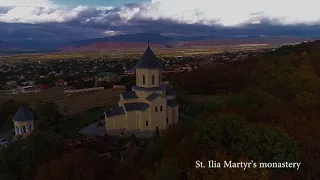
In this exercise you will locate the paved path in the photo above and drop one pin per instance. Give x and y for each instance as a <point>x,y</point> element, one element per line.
<point>94,129</point>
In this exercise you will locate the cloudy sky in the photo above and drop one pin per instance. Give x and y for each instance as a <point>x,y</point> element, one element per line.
<point>81,19</point>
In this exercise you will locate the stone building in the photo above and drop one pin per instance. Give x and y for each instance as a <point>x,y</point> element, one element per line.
<point>23,122</point>
<point>149,105</point>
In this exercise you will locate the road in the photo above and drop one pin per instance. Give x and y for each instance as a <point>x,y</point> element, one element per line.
<point>7,136</point>
<point>94,130</point>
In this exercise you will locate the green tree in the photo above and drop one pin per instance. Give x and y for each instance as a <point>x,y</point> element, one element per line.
<point>23,156</point>
<point>166,169</point>
<point>48,114</point>
<point>227,173</point>
<point>7,111</point>
<point>219,130</point>
<point>267,144</point>
<point>251,97</point>
<point>77,164</point>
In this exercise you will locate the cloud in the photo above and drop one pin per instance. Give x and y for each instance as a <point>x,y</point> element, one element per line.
<point>25,3</point>
<point>43,19</point>
<point>208,12</point>
<point>231,12</point>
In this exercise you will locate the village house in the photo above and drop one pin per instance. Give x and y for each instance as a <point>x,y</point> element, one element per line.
<point>12,83</point>
<point>150,105</point>
<point>129,72</point>
<point>61,82</point>
<point>24,89</point>
<point>107,77</point>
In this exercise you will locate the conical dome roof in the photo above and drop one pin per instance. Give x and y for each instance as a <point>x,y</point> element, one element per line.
<point>149,60</point>
<point>23,114</point>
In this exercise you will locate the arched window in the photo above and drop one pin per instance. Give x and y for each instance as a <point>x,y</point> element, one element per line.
<point>156,109</point>
<point>143,79</point>
<point>160,108</point>
<point>153,79</point>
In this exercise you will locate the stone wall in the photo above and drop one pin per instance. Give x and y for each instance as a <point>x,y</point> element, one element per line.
<point>83,90</point>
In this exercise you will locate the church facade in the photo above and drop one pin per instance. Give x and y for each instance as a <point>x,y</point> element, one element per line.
<point>149,105</point>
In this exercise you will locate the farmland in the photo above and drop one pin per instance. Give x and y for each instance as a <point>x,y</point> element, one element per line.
<point>116,54</point>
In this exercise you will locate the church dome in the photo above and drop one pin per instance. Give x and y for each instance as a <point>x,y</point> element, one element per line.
<point>23,114</point>
<point>149,60</point>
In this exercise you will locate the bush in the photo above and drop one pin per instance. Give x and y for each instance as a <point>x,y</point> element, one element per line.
<point>266,144</point>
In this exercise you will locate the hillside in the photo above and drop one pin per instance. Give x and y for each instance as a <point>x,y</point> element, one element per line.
<point>111,46</point>
<point>138,41</point>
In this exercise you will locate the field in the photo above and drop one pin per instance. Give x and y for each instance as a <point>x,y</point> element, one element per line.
<point>130,53</point>
<point>74,103</point>
<point>79,103</point>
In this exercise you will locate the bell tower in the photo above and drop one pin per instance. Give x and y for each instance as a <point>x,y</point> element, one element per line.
<point>148,70</point>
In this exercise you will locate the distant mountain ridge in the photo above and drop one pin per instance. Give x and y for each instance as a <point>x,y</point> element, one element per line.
<point>154,38</point>
<point>138,41</point>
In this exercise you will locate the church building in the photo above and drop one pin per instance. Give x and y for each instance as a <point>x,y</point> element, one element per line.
<point>149,105</point>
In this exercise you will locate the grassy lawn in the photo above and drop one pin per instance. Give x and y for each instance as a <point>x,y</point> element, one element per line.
<point>74,103</point>
<point>81,121</point>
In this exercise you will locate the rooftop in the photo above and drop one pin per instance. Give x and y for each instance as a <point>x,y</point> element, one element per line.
<point>115,111</point>
<point>136,106</point>
<point>170,91</point>
<point>106,74</point>
<point>153,96</point>
<point>149,60</point>
<point>160,88</point>
<point>172,103</point>
<point>129,95</point>
<point>23,114</point>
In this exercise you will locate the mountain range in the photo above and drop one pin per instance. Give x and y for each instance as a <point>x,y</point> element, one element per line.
<point>139,41</point>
